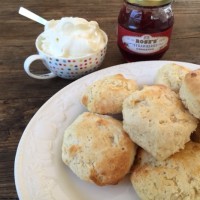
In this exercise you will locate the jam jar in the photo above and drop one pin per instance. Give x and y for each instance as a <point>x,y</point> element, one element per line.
<point>144,29</point>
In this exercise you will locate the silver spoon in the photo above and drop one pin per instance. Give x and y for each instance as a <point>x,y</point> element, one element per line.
<point>31,15</point>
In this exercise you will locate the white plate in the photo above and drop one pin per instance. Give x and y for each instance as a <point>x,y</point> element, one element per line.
<point>39,171</point>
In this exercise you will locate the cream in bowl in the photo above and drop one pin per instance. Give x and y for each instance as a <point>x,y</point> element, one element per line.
<point>70,48</point>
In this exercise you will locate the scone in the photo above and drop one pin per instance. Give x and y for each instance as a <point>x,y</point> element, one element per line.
<point>171,75</point>
<point>97,149</point>
<point>190,92</point>
<point>106,96</point>
<point>177,178</point>
<point>156,120</point>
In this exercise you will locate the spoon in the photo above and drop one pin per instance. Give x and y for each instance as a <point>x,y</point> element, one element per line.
<point>27,13</point>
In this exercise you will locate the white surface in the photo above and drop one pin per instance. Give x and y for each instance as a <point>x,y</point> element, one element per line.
<point>39,171</point>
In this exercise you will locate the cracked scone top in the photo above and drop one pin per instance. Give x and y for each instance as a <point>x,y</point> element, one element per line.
<point>156,120</point>
<point>171,75</point>
<point>97,149</point>
<point>176,178</point>
<point>190,92</point>
<point>106,96</point>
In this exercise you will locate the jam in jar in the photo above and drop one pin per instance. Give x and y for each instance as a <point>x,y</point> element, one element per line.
<point>144,29</point>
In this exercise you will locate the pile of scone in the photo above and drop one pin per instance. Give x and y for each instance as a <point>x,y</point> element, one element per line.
<point>152,143</point>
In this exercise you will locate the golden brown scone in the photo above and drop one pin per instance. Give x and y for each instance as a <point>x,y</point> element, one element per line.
<point>106,96</point>
<point>156,120</point>
<point>190,92</point>
<point>177,178</point>
<point>171,75</point>
<point>97,149</point>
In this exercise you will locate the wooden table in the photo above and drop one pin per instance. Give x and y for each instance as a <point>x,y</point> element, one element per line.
<point>21,96</point>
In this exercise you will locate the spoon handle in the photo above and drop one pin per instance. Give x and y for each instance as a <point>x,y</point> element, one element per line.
<point>31,15</point>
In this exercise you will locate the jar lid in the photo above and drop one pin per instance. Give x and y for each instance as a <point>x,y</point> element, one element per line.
<point>150,2</point>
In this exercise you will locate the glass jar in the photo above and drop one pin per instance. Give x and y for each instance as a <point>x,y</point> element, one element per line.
<point>144,29</point>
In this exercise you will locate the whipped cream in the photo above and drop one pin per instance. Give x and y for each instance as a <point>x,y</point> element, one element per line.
<point>72,37</point>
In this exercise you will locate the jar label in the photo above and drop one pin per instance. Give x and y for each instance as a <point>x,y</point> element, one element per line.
<point>143,43</point>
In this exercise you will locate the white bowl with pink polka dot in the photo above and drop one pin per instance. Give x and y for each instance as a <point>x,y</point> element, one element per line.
<point>67,68</point>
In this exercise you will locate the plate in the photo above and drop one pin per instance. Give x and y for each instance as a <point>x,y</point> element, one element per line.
<point>40,173</point>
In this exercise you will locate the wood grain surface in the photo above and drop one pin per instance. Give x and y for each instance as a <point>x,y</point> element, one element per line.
<point>21,96</point>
